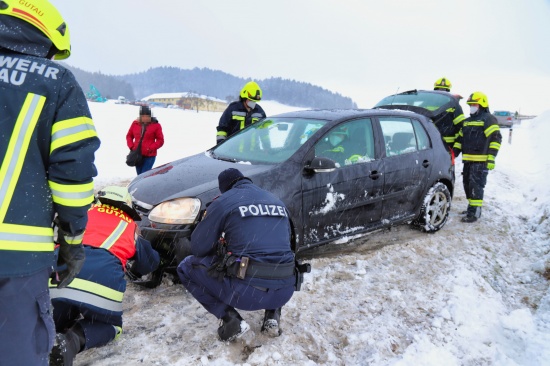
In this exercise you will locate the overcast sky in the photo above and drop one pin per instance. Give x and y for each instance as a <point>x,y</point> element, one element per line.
<point>363,49</point>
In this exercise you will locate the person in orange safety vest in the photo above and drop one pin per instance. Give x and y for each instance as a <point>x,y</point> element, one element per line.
<point>88,312</point>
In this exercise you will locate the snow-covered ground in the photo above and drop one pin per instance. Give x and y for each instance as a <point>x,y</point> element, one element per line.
<point>470,294</point>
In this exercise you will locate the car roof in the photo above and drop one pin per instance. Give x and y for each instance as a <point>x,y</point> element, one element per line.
<point>336,114</point>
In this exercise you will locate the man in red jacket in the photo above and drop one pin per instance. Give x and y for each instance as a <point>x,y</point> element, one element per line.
<point>149,129</point>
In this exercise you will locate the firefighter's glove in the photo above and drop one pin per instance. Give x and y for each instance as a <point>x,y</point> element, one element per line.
<point>71,255</point>
<point>490,162</point>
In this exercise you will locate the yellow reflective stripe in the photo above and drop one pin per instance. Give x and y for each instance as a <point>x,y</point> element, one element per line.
<point>491,129</point>
<point>475,158</point>
<point>74,239</point>
<point>450,110</point>
<point>476,203</point>
<point>457,145</point>
<point>494,145</point>
<point>17,149</point>
<point>72,195</point>
<point>221,133</point>
<point>70,131</point>
<point>474,123</point>
<point>26,238</point>
<point>449,139</point>
<point>95,288</point>
<point>115,235</point>
<point>491,158</point>
<point>84,297</point>
<point>459,119</point>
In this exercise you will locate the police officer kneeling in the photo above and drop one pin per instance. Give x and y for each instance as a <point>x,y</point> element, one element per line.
<point>241,256</point>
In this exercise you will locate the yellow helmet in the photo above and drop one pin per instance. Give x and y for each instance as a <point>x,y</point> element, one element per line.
<point>478,98</point>
<point>43,16</point>
<point>442,83</point>
<point>252,91</point>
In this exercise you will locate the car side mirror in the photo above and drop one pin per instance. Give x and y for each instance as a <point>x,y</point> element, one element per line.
<point>321,165</point>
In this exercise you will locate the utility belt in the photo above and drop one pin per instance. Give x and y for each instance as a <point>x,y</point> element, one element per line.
<point>243,267</point>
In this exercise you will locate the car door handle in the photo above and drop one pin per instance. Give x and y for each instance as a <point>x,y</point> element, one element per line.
<point>374,175</point>
<point>426,163</point>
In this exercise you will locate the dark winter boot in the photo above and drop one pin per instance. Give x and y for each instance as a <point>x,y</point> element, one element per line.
<point>272,319</point>
<point>66,346</point>
<point>473,214</point>
<point>233,326</point>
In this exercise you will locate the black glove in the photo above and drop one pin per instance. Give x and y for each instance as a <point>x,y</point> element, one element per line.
<point>71,255</point>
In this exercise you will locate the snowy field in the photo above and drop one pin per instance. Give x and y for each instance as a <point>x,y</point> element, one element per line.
<point>470,294</point>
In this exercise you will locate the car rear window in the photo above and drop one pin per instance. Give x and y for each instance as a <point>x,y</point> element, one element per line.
<point>429,101</point>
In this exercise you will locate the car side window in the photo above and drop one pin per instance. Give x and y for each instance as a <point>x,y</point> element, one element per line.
<point>421,136</point>
<point>348,143</point>
<point>399,134</point>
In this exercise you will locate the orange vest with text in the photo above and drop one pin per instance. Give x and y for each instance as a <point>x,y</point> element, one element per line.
<point>111,229</point>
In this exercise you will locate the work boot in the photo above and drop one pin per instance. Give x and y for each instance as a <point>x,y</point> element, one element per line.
<point>472,215</point>
<point>272,319</point>
<point>66,347</point>
<point>233,326</point>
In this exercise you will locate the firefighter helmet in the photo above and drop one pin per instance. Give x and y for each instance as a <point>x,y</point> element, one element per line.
<point>43,16</point>
<point>252,91</point>
<point>118,197</point>
<point>442,84</point>
<point>478,98</point>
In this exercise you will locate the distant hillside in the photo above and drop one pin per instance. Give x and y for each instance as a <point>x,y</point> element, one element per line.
<point>208,82</point>
<point>109,86</point>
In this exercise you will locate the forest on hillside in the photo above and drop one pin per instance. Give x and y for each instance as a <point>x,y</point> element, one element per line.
<point>208,82</point>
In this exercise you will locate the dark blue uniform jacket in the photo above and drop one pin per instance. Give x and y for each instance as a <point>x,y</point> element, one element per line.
<point>255,224</point>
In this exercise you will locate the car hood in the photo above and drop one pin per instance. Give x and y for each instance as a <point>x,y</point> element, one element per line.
<point>193,176</point>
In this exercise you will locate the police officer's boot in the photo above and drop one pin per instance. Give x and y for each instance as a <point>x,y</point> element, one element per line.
<point>272,319</point>
<point>66,346</point>
<point>233,326</point>
<point>473,214</point>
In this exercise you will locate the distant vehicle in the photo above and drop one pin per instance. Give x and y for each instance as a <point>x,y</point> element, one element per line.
<point>504,118</point>
<point>390,168</point>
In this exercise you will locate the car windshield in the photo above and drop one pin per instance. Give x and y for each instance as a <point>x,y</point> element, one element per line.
<point>269,141</point>
<point>429,101</point>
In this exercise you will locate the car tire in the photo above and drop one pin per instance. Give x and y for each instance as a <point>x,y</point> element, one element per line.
<point>435,208</point>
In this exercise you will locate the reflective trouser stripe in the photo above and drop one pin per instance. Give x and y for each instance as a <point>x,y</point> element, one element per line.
<point>85,297</point>
<point>92,293</point>
<point>475,203</point>
<point>17,149</point>
<point>115,235</point>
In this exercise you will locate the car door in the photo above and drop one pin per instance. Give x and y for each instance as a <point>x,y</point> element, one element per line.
<point>407,165</point>
<point>348,199</point>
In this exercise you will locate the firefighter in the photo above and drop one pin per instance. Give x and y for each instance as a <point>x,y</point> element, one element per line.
<point>449,122</point>
<point>242,256</point>
<point>241,113</point>
<point>479,141</point>
<point>88,313</point>
<point>47,147</point>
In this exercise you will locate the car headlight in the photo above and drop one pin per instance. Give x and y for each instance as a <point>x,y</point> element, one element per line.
<point>178,211</point>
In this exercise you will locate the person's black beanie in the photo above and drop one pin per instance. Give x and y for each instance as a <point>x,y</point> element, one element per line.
<point>144,111</point>
<point>228,177</point>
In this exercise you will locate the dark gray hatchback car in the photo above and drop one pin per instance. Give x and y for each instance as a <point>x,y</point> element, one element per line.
<point>339,172</point>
